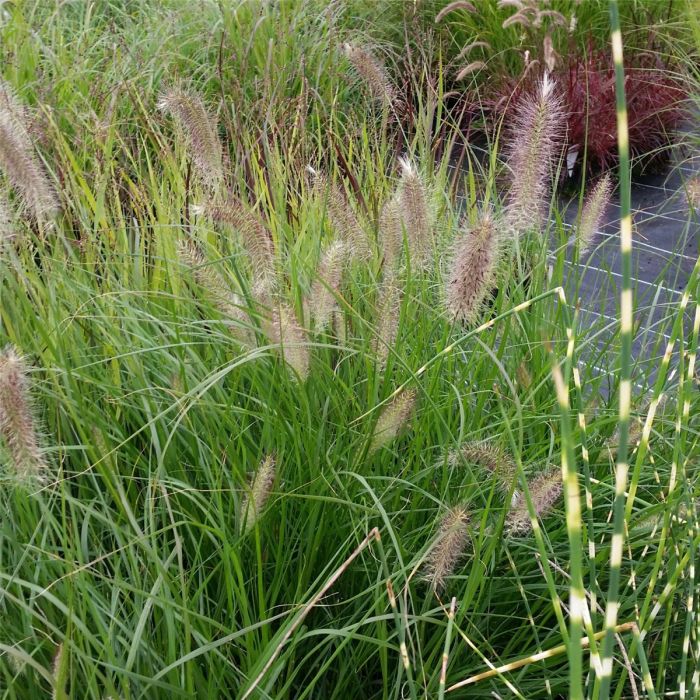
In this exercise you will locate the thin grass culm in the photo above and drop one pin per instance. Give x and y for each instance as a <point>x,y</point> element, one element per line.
<point>18,426</point>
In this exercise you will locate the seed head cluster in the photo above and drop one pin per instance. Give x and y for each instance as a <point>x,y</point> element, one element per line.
<point>17,423</point>
<point>448,548</point>
<point>259,491</point>
<point>545,490</point>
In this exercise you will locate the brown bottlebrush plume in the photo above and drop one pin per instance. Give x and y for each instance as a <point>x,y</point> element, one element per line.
<point>283,329</point>
<point>17,423</point>
<point>7,229</point>
<point>324,290</point>
<point>214,284</point>
<point>472,271</point>
<point>494,459</point>
<point>389,307</point>
<point>470,68</point>
<point>692,193</point>
<point>19,161</point>
<point>448,547</point>
<point>391,231</point>
<point>453,7</point>
<point>256,239</point>
<point>593,212</point>
<point>199,129</point>
<point>636,428</point>
<point>417,215</point>
<point>372,73</point>
<point>545,490</point>
<point>258,493</point>
<point>59,690</point>
<point>535,140</point>
<point>523,376</point>
<point>393,419</point>
<point>343,219</point>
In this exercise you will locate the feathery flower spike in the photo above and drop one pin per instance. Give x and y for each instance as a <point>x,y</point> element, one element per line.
<point>447,548</point>
<point>17,423</point>
<point>393,419</point>
<point>260,488</point>
<point>545,490</point>
<point>593,212</point>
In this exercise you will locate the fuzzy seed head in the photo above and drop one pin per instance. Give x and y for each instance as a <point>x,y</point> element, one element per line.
<point>593,212</point>
<point>494,459</point>
<point>199,129</point>
<point>545,490</point>
<point>17,425</point>
<point>325,288</point>
<point>448,547</point>
<point>415,207</point>
<point>284,330</point>
<point>344,221</point>
<point>692,189</point>
<point>372,73</point>
<point>229,304</point>
<point>535,141</point>
<point>19,161</point>
<point>259,492</point>
<point>387,321</point>
<point>391,232</point>
<point>472,272</point>
<point>7,229</point>
<point>393,419</point>
<point>255,238</point>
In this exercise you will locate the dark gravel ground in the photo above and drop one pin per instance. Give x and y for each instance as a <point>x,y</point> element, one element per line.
<point>665,248</point>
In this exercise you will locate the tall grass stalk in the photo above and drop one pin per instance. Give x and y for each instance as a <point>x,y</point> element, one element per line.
<point>604,673</point>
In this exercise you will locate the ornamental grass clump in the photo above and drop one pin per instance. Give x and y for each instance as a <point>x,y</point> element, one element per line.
<point>472,270</point>
<point>19,161</point>
<point>535,141</point>
<point>258,493</point>
<point>448,547</point>
<point>18,426</point>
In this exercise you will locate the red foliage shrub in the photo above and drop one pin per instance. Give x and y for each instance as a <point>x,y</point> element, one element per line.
<point>656,106</point>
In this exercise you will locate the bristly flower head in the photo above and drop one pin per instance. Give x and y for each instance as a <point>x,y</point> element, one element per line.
<point>18,158</point>
<point>447,548</point>
<point>692,189</point>
<point>260,488</point>
<point>373,74</point>
<point>7,232</point>
<point>198,127</point>
<point>284,330</point>
<point>494,459</point>
<point>17,424</point>
<point>256,239</point>
<point>393,419</point>
<point>214,284</point>
<point>322,298</point>
<point>473,267</point>
<point>391,231</point>
<point>343,219</point>
<point>416,213</point>
<point>593,212</point>
<point>545,490</point>
<point>389,307</point>
<point>536,137</point>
